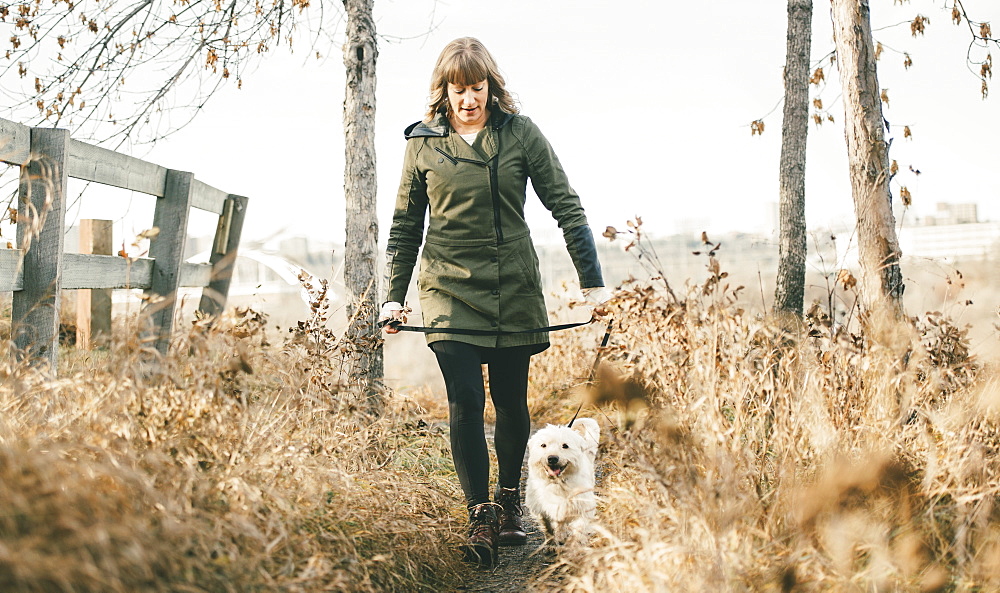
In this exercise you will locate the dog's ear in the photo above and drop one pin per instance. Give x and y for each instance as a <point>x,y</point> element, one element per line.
<point>588,429</point>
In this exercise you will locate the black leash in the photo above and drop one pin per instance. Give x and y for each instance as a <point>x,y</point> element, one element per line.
<point>477,332</point>
<point>398,325</point>
<point>593,369</point>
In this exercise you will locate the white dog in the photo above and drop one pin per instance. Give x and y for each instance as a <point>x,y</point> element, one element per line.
<point>560,484</point>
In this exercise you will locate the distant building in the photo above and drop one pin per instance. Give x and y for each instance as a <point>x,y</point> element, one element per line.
<point>977,240</point>
<point>950,214</point>
<point>954,232</point>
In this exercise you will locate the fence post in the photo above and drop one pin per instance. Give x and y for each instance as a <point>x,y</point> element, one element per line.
<point>93,306</point>
<point>167,251</point>
<point>224,251</point>
<point>41,213</point>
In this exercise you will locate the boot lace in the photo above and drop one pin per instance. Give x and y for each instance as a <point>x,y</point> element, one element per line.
<point>510,501</point>
<point>483,517</point>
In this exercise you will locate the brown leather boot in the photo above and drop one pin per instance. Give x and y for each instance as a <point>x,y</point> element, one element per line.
<point>512,531</point>
<point>484,530</point>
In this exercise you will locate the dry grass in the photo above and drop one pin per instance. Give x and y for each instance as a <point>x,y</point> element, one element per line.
<point>234,467</point>
<point>741,456</point>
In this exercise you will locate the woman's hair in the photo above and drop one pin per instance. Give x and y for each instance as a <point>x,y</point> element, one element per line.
<point>466,61</point>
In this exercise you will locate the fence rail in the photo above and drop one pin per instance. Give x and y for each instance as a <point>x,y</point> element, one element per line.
<point>39,269</point>
<point>99,271</point>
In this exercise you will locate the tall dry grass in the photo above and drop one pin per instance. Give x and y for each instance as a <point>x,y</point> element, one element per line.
<point>229,465</point>
<point>741,455</point>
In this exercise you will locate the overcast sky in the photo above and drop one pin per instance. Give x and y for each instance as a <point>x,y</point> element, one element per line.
<point>647,104</point>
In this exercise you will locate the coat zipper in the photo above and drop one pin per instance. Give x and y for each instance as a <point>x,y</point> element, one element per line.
<point>453,160</point>
<point>495,190</point>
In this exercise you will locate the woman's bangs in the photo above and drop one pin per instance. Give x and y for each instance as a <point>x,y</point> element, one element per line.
<point>466,70</point>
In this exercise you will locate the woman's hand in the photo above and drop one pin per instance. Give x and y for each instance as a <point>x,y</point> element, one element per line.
<point>597,296</point>
<point>392,312</point>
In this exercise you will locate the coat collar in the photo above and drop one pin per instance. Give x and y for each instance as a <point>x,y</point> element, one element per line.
<point>440,128</point>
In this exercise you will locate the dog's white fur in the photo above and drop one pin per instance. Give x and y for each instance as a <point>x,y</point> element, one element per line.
<point>560,484</point>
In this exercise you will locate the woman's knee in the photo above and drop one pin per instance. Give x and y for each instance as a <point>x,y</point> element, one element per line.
<point>462,408</point>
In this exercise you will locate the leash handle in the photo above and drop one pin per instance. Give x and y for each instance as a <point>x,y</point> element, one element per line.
<point>593,369</point>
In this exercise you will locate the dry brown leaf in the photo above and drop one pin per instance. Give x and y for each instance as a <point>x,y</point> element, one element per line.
<point>148,233</point>
<point>846,279</point>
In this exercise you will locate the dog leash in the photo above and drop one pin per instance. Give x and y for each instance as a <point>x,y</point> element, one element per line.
<point>593,369</point>
<point>478,332</point>
<point>398,325</point>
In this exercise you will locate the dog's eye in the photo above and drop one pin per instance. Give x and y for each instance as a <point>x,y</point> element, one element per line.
<point>565,446</point>
<point>543,445</point>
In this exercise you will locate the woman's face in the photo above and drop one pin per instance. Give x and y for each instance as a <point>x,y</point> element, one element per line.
<point>469,104</point>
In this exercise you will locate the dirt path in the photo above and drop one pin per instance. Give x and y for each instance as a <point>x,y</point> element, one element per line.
<point>519,566</point>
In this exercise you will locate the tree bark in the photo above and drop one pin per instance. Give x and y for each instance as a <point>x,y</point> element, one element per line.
<point>868,157</point>
<point>360,279</point>
<point>789,291</point>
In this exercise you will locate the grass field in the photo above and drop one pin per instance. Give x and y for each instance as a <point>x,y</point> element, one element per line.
<point>738,455</point>
<point>743,457</point>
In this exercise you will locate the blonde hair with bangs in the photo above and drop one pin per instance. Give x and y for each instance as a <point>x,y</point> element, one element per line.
<point>466,61</point>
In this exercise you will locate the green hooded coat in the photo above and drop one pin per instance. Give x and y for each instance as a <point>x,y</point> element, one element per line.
<point>478,267</point>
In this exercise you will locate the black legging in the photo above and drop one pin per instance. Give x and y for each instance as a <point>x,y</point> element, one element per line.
<point>461,366</point>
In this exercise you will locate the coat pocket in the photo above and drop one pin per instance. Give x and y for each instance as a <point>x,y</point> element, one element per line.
<point>426,275</point>
<point>527,266</point>
<point>453,160</point>
<point>448,269</point>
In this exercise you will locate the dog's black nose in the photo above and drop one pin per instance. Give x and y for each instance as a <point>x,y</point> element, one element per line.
<point>553,460</point>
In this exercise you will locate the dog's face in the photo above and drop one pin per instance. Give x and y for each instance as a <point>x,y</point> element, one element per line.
<point>557,452</point>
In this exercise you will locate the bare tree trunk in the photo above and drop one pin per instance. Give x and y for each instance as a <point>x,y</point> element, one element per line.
<point>360,279</point>
<point>868,156</point>
<point>789,292</point>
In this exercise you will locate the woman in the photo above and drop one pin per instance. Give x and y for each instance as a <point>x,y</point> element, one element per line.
<point>468,163</point>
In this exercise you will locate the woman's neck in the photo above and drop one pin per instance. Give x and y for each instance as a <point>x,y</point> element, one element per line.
<point>464,128</point>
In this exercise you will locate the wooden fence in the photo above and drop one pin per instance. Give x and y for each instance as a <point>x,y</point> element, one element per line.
<point>37,270</point>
